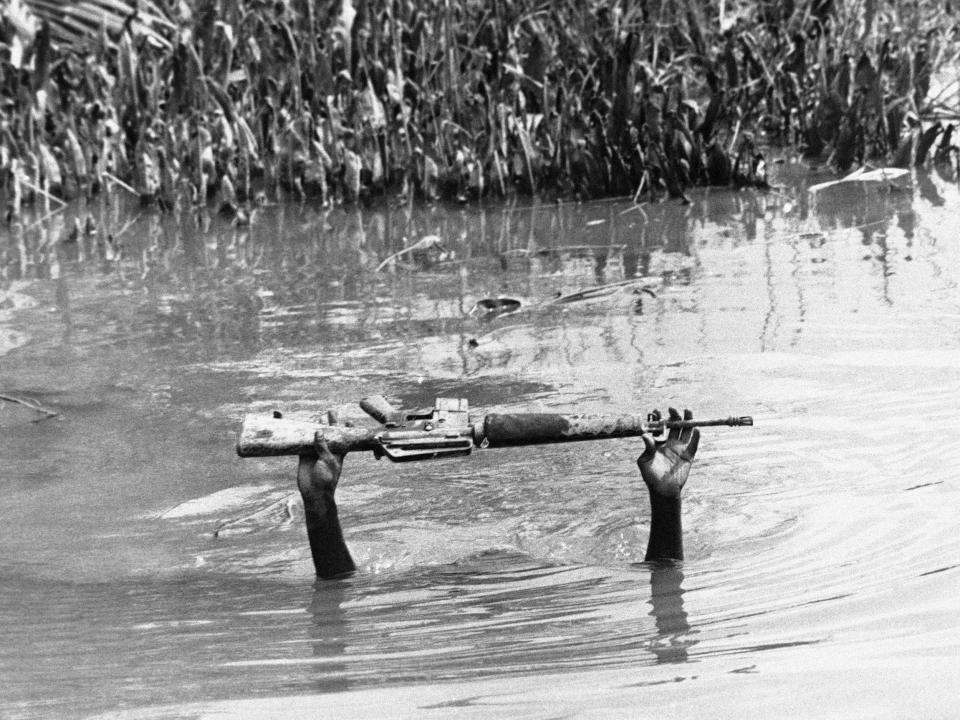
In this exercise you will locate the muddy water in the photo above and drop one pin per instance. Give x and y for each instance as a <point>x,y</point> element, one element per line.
<point>146,571</point>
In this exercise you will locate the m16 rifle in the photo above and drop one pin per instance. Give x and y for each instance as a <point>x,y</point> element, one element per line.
<point>446,430</point>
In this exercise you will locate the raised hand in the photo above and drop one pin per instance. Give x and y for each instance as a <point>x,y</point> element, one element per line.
<point>665,464</point>
<point>318,475</point>
<point>317,478</point>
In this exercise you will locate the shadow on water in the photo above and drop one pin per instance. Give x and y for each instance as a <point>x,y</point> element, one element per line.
<point>822,314</point>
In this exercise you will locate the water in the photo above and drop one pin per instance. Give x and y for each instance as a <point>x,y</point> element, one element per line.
<point>147,572</point>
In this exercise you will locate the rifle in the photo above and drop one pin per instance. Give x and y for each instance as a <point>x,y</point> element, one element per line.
<point>445,430</point>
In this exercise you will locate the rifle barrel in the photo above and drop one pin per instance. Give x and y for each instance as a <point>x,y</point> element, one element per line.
<point>541,428</point>
<point>743,421</point>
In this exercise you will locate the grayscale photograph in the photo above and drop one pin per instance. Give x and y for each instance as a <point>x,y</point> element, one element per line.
<point>479,359</point>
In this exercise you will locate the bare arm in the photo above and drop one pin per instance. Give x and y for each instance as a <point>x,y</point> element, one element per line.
<point>317,478</point>
<point>664,467</point>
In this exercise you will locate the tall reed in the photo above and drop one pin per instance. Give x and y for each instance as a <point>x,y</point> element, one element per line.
<point>232,101</point>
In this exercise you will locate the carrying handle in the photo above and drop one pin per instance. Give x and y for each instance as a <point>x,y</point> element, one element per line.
<point>377,407</point>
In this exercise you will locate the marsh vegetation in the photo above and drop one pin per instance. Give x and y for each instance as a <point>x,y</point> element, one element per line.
<point>234,102</point>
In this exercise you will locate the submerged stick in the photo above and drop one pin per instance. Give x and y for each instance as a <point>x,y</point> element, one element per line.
<point>428,242</point>
<point>37,189</point>
<point>130,223</point>
<point>46,217</point>
<point>47,413</point>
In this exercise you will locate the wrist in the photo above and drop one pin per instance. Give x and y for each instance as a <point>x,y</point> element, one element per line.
<point>320,500</point>
<point>664,503</point>
<point>317,497</point>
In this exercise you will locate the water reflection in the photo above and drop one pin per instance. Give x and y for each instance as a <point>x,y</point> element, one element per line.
<point>673,639</point>
<point>300,275</point>
<point>62,299</point>
<point>552,615</point>
<point>329,635</point>
<point>303,281</point>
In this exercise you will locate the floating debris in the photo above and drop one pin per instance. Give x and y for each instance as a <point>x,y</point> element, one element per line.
<point>489,308</point>
<point>879,175</point>
<point>636,286</point>
<point>420,251</point>
<point>17,410</point>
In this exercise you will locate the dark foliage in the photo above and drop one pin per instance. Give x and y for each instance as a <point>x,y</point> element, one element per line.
<point>243,99</point>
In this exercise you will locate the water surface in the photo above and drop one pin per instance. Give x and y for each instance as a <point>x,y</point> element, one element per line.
<point>146,571</point>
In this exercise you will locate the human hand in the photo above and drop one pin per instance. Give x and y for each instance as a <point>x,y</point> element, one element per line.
<point>319,472</point>
<point>317,478</point>
<point>665,464</point>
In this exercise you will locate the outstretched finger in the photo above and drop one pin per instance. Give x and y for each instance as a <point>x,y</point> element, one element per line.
<point>674,417</point>
<point>692,444</point>
<point>655,417</point>
<point>685,433</point>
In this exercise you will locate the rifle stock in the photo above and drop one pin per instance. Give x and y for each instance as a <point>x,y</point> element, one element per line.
<point>266,435</point>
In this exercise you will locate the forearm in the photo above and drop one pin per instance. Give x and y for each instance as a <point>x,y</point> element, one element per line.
<point>666,528</point>
<point>330,554</point>
<point>317,485</point>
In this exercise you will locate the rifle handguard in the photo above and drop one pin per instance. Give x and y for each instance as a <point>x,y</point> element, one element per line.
<point>540,428</point>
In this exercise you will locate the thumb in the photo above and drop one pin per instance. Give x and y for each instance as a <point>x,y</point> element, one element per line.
<point>321,445</point>
<point>649,449</point>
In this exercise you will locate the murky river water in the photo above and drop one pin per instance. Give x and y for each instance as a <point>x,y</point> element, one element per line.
<point>823,558</point>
